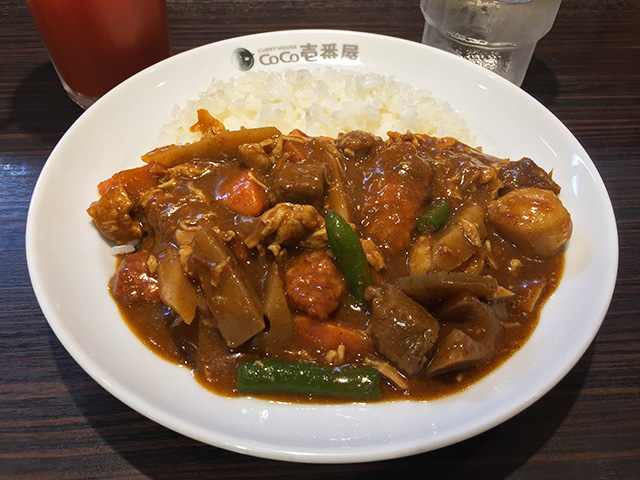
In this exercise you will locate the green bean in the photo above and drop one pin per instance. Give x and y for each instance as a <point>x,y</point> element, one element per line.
<point>435,217</point>
<point>349,254</point>
<point>275,376</point>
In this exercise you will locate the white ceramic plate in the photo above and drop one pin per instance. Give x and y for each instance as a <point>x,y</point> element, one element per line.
<point>70,264</point>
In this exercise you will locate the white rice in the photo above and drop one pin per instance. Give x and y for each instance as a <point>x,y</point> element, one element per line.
<point>122,249</point>
<point>320,102</point>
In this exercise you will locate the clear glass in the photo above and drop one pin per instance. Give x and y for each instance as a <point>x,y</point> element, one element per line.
<point>500,35</point>
<point>96,44</point>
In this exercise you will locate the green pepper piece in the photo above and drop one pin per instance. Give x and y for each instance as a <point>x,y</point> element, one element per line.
<point>276,376</point>
<point>435,217</point>
<point>350,256</point>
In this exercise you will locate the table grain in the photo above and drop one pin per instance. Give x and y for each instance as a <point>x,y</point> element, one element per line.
<point>56,422</point>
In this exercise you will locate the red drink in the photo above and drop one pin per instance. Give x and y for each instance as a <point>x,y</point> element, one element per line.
<point>96,44</point>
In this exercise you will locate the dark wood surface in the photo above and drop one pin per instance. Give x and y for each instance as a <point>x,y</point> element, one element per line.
<point>56,422</point>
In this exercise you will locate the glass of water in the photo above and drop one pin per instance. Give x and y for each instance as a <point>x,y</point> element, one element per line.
<point>499,35</point>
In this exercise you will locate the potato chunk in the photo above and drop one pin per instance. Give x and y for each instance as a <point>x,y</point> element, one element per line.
<point>533,219</point>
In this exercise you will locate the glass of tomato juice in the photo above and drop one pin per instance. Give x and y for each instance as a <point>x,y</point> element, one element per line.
<point>96,44</point>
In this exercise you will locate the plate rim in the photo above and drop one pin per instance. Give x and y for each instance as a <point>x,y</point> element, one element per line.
<point>332,456</point>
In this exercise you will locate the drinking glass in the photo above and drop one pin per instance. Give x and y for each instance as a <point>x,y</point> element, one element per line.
<point>499,35</point>
<point>96,44</point>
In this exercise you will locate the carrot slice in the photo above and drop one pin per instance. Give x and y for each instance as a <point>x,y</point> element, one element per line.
<point>134,181</point>
<point>329,335</point>
<point>243,194</point>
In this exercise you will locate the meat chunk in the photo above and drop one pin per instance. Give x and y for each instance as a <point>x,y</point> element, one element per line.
<point>402,330</point>
<point>289,222</point>
<point>314,285</point>
<point>168,212</point>
<point>357,143</point>
<point>133,280</point>
<point>111,215</point>
<point>525,173</point>
<point>397,183</point>
<point>320,151</point>
<point>301,183</point>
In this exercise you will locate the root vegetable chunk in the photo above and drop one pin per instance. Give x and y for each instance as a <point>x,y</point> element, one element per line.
<point>533,219</point>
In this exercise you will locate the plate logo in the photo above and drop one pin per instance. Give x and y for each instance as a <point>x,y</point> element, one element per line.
<point>243,59</point>
<point>268,56</point>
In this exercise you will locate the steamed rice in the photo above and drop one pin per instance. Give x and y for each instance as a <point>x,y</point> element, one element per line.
<point>325,102</point>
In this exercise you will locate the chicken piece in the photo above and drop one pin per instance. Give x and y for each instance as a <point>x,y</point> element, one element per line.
<point>289,222</point>
<point>421,255</point>
<point>314,285</point>
<point>133,280</point>
<point>387,370</point>
<point>316,240</point>
<point>189,170</point>
<point>111,215</point>
<point>373,254</point>
<point>207,125</point>
<point>254,156</point>
<point>460,171</point>
<point>397,183</point>
<point>534,219</point>
<point>402,330</point>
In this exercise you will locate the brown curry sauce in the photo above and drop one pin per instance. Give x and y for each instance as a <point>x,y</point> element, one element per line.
<point>458,173</point>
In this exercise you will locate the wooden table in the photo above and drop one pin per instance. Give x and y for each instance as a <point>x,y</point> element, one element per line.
<point>56,422</point>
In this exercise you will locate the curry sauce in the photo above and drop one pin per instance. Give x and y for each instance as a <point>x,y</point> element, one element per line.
<point>235,256</point>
